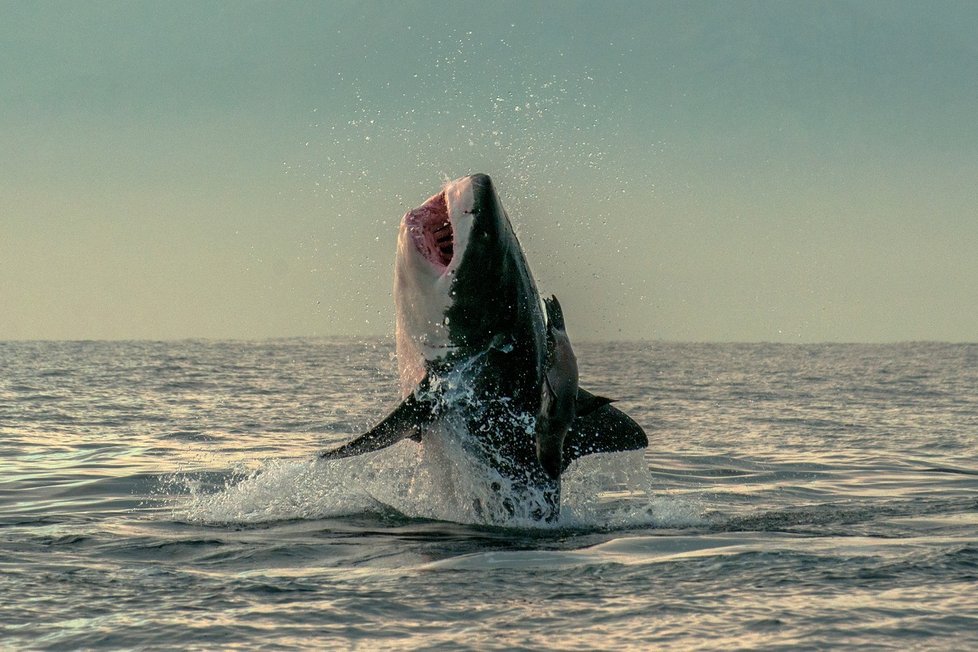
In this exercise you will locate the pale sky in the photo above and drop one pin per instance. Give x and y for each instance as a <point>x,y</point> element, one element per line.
<point>717,171</point>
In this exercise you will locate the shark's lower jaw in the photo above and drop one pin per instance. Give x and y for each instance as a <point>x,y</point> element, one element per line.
<point>432,248</point>
<point>430,227</point>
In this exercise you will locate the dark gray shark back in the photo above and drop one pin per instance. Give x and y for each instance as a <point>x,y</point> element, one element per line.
<point>495,299</point>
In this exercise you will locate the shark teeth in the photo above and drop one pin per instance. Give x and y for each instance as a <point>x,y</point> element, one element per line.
<point>431,231</point>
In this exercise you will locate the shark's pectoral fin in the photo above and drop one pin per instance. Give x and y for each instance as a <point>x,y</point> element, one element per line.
<point>588,402</point>
<point>604,429</point>
<point>408,420</point>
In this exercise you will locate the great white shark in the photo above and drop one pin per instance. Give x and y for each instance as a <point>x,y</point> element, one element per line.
<point>483,358</point>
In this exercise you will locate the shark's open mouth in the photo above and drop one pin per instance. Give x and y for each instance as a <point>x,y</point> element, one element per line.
<point>431,231</point>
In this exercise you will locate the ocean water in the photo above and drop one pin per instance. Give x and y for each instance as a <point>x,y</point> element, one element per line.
<point>166,496</point>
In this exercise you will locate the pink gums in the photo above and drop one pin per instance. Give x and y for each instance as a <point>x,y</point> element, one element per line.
<point>431,231</point>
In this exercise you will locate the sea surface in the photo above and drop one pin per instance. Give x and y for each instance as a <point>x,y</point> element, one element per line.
<point>166,495</point>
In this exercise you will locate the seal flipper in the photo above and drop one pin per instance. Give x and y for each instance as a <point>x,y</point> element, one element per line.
<point>603,429</point>
<point>408,420</point>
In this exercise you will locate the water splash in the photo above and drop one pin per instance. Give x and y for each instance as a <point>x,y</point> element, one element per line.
<point>438,481</point>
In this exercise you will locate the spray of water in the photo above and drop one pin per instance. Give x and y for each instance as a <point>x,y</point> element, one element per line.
<point>440,480</point>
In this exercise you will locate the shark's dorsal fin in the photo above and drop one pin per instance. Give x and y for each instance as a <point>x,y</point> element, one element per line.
<point>407,420</point>
<point>602,429</point>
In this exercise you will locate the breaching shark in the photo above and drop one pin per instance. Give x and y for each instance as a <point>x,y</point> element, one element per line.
<point>482,357</point>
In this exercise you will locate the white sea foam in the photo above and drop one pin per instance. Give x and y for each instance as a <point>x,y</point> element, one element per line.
<point>439,481</point>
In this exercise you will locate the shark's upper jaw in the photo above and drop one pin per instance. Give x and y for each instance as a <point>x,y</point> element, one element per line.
<point>439,228</point>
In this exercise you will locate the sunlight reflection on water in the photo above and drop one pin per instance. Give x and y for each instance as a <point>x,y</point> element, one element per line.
<point>167,494</point>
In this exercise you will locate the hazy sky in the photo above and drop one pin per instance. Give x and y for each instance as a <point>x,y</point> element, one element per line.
<point>785,171</point>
